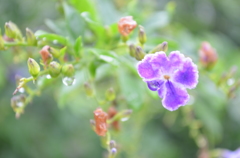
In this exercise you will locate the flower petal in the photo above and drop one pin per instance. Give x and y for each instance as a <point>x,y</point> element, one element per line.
<point>161,91</point>
<point>187,75</point>
<point>175,96</point>
<point>155,84</point>
<point>159,61</point>
<point>176,59</point>
<point>145,69</point>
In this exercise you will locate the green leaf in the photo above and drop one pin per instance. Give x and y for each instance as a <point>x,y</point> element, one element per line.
<point>132,88</point>
<point>74,22</point>
<point>86,6</point>
<point>78,46</point>
<point>107,56</point>
<point>68,93</point>
<point>94,65</point>
<point>107,9</point>
<point>97,28</point>
<point>153,23</point>
<point>58,27</point>
<point>51,37</point>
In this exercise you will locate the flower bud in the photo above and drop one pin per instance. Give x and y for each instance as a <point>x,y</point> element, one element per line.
<point>45,54</point>
<point>54,52</point>
<point>31,39</point>
<point>54,69</point>
<point>88,89</point>
<point>126,25</point>
<point>142,35</point>
<point>161,47</point>
<point>139,54</point>
<point>126,114</point>
<point>33,67</point>
<point>124,38</point>
<point>112,112</point>
<point>101,121</point>
<point>12,31</point>
<point>68,70</point>
<point>110,94</point>
<point>112,144</point>
<point>113,152</point>
<point>132,50</point>
<point>208,55</point>
<point>18,103</point>
<point>1,43</point>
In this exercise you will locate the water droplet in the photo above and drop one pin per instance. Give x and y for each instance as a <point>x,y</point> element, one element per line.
<point>68,81</point>
<point>48,76</point>
<point>19,103</point>
<point>124,119</point>
<point>21,90</point>
<point>55,41</point>
<point>230,81</point>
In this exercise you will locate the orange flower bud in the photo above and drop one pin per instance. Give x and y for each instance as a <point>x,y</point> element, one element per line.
<point>101,121</point>
<point>45,54</point>
<point>126,25</point>
<point>208,55</point>
<point>111,113</point>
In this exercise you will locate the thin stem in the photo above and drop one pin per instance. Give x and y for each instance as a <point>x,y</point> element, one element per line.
<point>15,44</point>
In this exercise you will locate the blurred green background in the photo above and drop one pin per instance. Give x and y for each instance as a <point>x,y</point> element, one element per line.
<point>56,123</point>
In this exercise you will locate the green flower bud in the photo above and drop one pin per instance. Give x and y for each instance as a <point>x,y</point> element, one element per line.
<point>142,35</point>
<point>132,50</point>
<point>54,52</point>
<point>112,144</point>
<point>161,47</point>
<point>33,67</point>
<point>124,38</point>
<point>12,31</point>
<point>54,69</point>
<point>18,104</point>
<point>1,41</point>
<point>139,54</point>
<point>110,94</point>
<point>88,89</point>
<point>68,70</point>
<point>31,39</point>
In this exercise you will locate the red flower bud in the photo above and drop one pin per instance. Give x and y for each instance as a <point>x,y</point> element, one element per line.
<point>101,121</point>
<point>208,55</point>
<point>126,25</point>
<point>111,113</point>
<point>45,54</point>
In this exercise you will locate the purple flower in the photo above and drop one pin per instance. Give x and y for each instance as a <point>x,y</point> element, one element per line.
<point>231,154</point>
<point>170,76</point>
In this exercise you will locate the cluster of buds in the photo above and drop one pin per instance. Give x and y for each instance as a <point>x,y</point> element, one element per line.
<point>102,120</point>
<point>112,149</point>
<point>53,67</point>
<point>101,123</point>
<point>13,33</point>
<point>208,55</point>
<point>138,53</point>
